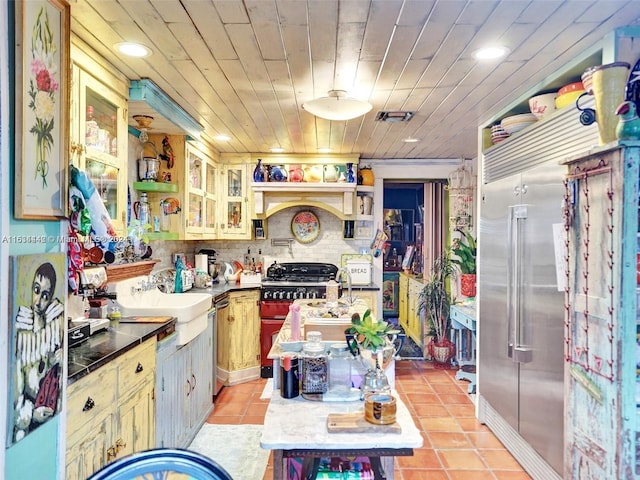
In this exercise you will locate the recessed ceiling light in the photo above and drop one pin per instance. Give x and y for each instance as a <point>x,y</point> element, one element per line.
<point>132,49</point>
<point>410,140</point>
<point>324,150</point>
<point>222,138</point>
<point>277,150</point>
<point>490,53</point>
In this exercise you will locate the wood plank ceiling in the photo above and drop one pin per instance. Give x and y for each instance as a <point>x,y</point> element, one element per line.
<point>245,67</point>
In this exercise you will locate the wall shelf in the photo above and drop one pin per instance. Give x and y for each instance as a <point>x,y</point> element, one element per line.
<point>155,187</point>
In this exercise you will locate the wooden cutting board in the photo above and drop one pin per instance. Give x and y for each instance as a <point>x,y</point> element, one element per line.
<point>356,423</point>
<point>144,319</point>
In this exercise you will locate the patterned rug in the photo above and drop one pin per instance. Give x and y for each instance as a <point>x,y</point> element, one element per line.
<point>235,447</point>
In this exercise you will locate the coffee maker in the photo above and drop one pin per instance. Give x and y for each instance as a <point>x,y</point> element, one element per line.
<point>214,268</point>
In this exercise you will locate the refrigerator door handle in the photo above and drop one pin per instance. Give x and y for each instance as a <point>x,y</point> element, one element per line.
<point>516,351</point>
<point>511,280</point>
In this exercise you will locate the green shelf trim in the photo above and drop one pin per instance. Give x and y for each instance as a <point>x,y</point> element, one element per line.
<point>155,187</point>
<point>162,236</point>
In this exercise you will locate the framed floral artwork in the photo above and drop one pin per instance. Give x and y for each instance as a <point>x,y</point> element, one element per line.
<point>42,108</point>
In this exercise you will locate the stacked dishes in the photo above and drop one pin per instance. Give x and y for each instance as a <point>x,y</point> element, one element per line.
<point>498,134</point>
<point>515,123</point>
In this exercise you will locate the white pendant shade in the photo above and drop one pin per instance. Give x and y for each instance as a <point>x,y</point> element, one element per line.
<point>337,106</point>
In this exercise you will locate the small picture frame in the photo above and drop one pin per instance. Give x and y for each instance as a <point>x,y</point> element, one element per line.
<point>408,257</point>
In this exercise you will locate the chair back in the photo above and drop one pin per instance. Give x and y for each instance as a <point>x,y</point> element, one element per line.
<point>159,460</point>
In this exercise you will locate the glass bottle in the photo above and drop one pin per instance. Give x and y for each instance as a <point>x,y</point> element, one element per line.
<point>91,128</point>
<point>340,360</point>
<point>315,367</point>
<point>113,147</point>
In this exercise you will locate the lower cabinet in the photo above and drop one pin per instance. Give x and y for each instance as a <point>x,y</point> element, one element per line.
<point>184,388</point>
<point>238,354</point>
<point>409,312</point>
<point>111,412</point>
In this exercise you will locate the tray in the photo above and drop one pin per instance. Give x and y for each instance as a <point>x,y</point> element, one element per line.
<point>356,423</point>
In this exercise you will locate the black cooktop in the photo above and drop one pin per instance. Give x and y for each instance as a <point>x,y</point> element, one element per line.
<point>301,272</point>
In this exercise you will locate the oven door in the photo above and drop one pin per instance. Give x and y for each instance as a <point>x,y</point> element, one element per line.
<point>272,315</point>
<point>274,309</point>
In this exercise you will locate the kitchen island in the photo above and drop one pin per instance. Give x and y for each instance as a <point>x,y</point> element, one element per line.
<point>297,428</point>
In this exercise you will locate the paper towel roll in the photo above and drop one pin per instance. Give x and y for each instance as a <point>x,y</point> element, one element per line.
<point>202,262</point>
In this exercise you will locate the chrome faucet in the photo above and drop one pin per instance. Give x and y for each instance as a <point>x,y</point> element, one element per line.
<point>350,299</point>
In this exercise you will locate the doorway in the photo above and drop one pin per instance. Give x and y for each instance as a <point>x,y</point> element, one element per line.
<point>414,219</point>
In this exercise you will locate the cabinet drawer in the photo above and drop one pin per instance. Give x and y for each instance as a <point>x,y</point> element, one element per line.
<point>90,396</point>
<point>136,367</point>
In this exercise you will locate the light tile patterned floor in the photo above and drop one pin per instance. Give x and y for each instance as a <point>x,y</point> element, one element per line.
<point>456,445</point>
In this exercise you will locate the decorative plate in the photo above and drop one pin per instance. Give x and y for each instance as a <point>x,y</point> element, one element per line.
<point>305,226</point>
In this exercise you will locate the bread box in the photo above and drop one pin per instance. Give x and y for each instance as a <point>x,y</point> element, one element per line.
<point>360,271</point>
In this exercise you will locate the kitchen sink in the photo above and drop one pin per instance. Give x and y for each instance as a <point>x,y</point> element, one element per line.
<point>137,297</point>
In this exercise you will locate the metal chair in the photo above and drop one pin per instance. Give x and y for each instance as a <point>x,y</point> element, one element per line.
<point>161,462</point>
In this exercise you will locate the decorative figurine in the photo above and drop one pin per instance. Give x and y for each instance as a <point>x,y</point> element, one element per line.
<point>628,127</point>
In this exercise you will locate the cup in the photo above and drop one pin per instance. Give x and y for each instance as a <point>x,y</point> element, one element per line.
<point>289,377</point>
<point>367,204</point>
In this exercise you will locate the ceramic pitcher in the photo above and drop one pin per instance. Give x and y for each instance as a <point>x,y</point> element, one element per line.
<point>331,173</point>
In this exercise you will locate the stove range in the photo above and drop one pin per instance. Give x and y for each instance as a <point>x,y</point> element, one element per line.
<point>283,283</point>
<point>290,281</point>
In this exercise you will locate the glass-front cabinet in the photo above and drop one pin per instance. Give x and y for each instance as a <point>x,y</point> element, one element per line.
<point>99,140</point>
<point>202,192</point>
<point>234,221</point>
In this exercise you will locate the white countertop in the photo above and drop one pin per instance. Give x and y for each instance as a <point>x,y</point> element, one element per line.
<point>302,424</point>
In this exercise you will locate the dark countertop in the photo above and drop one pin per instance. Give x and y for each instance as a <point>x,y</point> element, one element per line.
<point>105,346</point>
<point>219,289</point>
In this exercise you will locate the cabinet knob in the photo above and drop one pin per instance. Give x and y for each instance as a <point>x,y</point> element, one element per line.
<point>111,453</point>
<point>89,404</point>
<point>193,378</point>
<point>139,368</point>
<point>231,318</point>
<point>120,444</point>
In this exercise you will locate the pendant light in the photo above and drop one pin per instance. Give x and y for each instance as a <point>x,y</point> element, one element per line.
<point>337,106</point>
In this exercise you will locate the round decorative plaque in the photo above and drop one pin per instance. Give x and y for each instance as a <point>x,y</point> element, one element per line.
<point>305,226</point>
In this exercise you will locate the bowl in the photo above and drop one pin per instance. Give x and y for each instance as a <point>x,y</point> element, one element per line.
<point>571,87</point>
<point>521,118</point>
<point>568,99</point>
<point>543,105</point>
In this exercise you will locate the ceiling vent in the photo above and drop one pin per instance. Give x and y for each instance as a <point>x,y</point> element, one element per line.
<point>394,116</point>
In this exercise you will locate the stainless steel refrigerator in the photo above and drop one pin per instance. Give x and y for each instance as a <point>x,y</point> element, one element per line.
<point>521,315</point>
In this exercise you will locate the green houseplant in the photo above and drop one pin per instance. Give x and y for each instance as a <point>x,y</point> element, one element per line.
<point>465,250</point>
<point>373,339</point>
<point>435,301</point>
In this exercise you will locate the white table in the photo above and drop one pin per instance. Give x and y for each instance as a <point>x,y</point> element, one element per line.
<point>298,428</point>
<point>463,320</point>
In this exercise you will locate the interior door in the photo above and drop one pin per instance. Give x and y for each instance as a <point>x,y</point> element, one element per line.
<point>498,373</point>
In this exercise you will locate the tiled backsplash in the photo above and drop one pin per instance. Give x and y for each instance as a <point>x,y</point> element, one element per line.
<point>327,248</point>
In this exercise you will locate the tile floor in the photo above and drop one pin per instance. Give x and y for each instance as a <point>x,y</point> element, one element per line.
<point>456,446</point>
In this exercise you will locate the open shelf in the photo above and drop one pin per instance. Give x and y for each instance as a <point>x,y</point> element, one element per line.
<point>155,187</point>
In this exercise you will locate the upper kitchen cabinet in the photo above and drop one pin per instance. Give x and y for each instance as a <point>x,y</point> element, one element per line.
<point>201,182</point>
<point>98,131</point>
<point>187,193</point>
<point>234,208</point>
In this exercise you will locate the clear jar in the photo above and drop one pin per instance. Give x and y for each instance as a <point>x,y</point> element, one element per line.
<point>315,368</point>
<point>340,360</point>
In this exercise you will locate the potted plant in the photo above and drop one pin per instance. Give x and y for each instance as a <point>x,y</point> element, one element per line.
<point>465,250</point>
<point>374,339</point>
<point>435,301</point>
